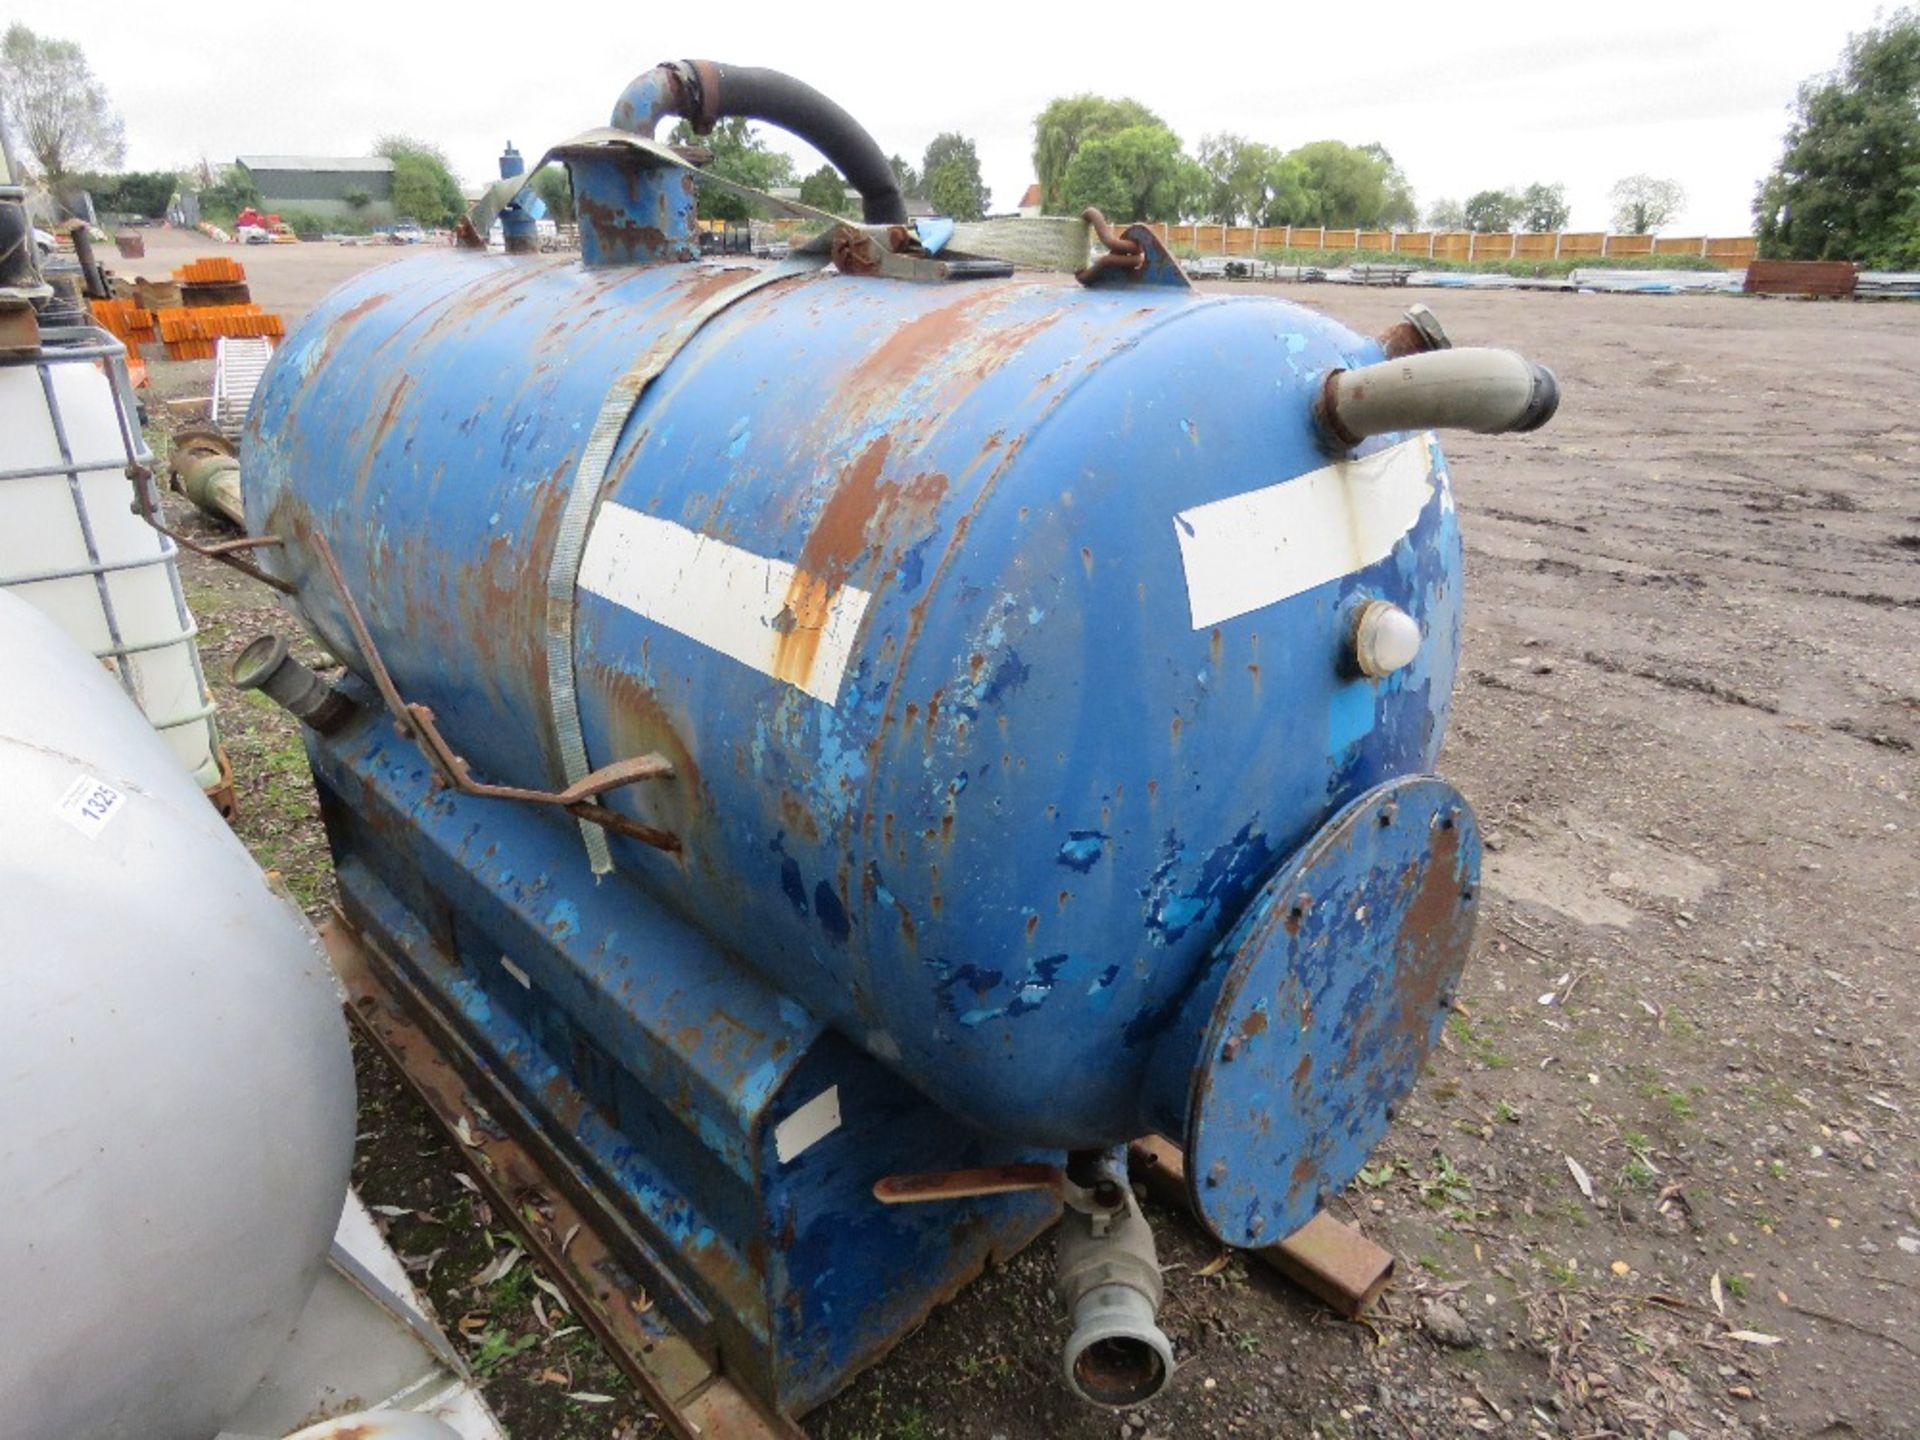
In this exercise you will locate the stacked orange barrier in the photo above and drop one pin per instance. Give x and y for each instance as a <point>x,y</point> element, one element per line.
<point>126,322</point>
<point>190,332</point>
<point>213,270</point>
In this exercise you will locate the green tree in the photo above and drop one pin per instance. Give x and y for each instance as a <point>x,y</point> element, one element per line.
<point>1283,184</point>
<point>740,154</point>
<point>825,189</point>
<point>1139,173</point>
<point>1238,173</point>
<point>221,200</point>
<point>1491,211</point>
<point>137,192</point>
<point>1399,208</point>
<point>53,105</point>
<point>1544,207</point>
<point>423,185</point>
<point>1357,185</point>
<point>555,188</point>
<point>906,177</point>
<point>1847,185</point>
<point>1642,204</point>
<point>951,170</point>
<point>1447,215</point>
<point>1068,123</point>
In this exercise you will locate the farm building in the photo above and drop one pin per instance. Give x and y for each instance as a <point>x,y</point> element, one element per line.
<point>326,187</point>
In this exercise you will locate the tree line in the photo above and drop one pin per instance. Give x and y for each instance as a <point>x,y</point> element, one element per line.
<point>1120,156</point>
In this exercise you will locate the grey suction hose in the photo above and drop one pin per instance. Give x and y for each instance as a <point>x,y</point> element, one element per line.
<point>705,92</point>
<point>1490,392</point>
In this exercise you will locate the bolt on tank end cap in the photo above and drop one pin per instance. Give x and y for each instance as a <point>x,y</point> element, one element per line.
<point>1385,639</point>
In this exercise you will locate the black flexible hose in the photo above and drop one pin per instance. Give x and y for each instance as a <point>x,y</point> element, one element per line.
<point>706,92</point>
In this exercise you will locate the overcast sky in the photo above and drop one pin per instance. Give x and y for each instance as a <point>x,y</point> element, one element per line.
<point>1465,97</point>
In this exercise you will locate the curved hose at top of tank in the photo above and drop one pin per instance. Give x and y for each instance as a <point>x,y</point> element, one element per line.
<point>705,92</point>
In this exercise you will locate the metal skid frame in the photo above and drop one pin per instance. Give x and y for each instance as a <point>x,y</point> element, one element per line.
<point>718,1143</point>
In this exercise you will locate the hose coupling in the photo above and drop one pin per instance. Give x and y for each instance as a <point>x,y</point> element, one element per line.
<point>266,666</point>
<point>1109,1279</point>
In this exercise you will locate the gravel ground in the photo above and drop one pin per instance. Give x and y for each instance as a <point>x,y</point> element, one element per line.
<point>1688,719</point>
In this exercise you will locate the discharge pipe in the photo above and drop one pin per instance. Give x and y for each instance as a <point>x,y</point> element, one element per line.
<point>1490,392</point>
<point>266,666</point>
<point>1109,1278</point>
<point>705,92</point>
<point>207,472</point>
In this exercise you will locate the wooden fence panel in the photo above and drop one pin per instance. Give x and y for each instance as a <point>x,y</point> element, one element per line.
<point>1731,252</point>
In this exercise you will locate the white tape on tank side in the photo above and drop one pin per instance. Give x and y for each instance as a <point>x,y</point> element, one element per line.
<point>765,613</point>
<point>1268,545</point>
<point>807,1126</point>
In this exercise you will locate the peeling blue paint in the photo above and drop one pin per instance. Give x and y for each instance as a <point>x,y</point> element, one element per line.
<point>563,920</point>
<point>1350,717</point>
<point>1227,876</point>
<point>1081,849</point>
<point>833,915</point>
<point>1008,676</point>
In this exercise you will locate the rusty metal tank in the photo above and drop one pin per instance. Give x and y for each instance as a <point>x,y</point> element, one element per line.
<point>1041,685</point>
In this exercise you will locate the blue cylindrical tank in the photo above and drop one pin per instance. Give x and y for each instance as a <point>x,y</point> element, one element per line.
<point>1000,633</point>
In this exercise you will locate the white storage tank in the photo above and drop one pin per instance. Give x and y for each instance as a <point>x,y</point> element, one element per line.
<point>71,545</point>
<point>176,1091</point>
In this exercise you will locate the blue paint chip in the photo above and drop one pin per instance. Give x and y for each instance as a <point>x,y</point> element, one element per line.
<point>563,920</point>
<point>1350,717</point>
<point>912,568</point>
<point>1008,676</point>
<point>1081,850</point>
<point>833,915</point>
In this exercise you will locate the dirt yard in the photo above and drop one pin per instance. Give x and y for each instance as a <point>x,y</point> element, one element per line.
<point>1688,719</point>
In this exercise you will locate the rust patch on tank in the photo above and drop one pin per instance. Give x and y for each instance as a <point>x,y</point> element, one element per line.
<point>1434,935</point>
<point>801,623</point>
<point>798,818</point>
<point>638,724</point>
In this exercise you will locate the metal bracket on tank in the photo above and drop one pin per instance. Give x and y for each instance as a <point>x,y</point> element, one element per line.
<point>1134,256</point>
<point>225,551</point>
<point>416,723</point>
<point>570,545</point>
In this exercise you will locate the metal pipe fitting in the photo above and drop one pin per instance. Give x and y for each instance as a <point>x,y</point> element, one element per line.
<point>705,92</point>
<point>1487,391</point>
<point>1418,332</point>
<point>266,666</point>
<point>205,469</point>
<point>1117,1356</point>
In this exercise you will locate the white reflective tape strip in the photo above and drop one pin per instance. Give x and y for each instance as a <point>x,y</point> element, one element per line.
<point>807,1126</point>
<point>514,970</point>
<point>764,613</point>
<point>1271,544</point>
